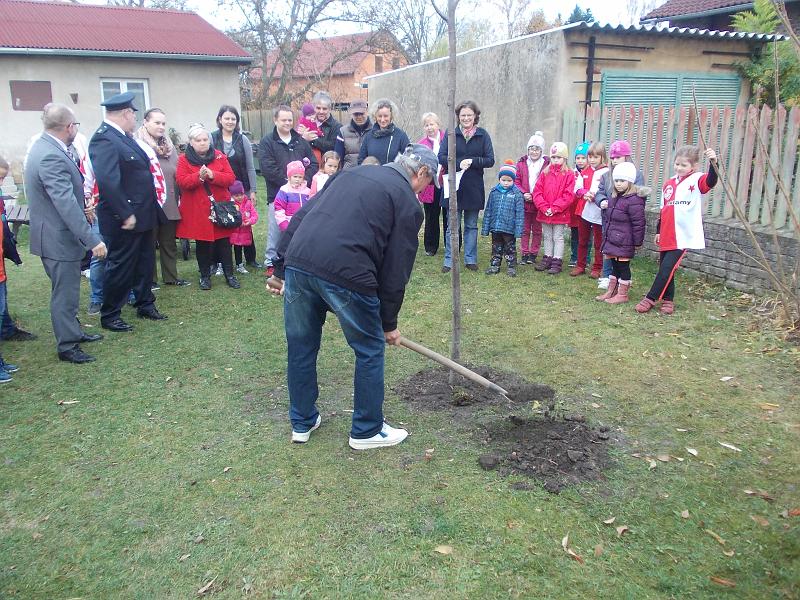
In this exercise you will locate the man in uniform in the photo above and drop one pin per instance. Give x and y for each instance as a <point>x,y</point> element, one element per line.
<point>127,213</point>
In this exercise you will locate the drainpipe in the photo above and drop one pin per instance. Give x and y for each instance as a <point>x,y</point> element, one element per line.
<point>589,83</point>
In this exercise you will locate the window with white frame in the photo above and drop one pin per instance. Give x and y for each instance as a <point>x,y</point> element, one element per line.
<point>138,87</point>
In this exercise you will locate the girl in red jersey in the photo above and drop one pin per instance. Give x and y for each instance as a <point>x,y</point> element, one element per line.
<point>680,226</point>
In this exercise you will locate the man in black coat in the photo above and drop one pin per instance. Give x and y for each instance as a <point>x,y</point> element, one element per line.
<point>350,250</point>
<point>275,151</point>
<point>127,213</point>
<point>330,127</point>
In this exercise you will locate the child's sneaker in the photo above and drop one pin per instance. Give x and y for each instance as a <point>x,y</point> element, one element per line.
<point>511,272</point>
<point>5,377</point>
<point>8,367</point>
<point>240,269</point>
<point>302,437</point>
<point>387,436</point>
<point>573,262</point>
<point>667,307</point>
<point>492,270</point>
<point>219,270</point>
<point>602,283</point>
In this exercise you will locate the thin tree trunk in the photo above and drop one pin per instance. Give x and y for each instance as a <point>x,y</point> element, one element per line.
<point>453,223</point>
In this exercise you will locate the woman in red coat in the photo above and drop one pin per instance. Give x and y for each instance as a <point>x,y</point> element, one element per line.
<point>203,170</point>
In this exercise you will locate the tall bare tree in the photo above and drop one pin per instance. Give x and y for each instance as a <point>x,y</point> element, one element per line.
<point>417,26</point>
<point>636,9</point>
<point>516,14</point>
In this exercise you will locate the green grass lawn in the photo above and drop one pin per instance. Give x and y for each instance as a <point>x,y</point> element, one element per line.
<point>174,467</point>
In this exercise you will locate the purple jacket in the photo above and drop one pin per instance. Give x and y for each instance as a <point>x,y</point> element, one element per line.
<point>626,224</point>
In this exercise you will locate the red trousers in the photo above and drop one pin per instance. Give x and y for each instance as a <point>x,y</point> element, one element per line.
<point>531,234</point>
<point>585,230</point>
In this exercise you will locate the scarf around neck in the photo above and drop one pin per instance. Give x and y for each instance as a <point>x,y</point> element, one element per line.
<point>197,159</point>
<point>468,133</point>
<point>163,146</point>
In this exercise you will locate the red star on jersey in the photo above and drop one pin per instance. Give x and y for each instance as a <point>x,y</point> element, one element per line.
<point>691,188</point>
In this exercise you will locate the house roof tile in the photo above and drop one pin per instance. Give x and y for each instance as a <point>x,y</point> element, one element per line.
<point>676,8</point>
<point>89,29</point>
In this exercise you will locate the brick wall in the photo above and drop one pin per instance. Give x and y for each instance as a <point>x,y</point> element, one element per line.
<point>721,260</point>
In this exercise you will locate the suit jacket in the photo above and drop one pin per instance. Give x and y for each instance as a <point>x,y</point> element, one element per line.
<point>124,180</point>
<point>54,190</point>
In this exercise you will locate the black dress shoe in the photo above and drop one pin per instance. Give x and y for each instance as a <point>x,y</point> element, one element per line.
<point>472,267</point>
<point>117,325</point>
<point>90,337</point>
<point>20,335</point>
<point>151,314</point>
<point>75,355</point>
<point>232,282</point>
<point>179,283</point>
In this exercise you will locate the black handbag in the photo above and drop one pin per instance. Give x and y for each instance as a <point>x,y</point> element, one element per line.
<point>224,214</point>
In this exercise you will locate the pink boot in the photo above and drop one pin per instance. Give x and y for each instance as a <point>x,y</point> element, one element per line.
<point>622,293</point>
<point>609,293</point>
<point>667,307</point>
<point>644,305</point>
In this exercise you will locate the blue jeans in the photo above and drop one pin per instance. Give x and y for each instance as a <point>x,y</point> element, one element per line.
<point>306,300</point>
<point>97,273</point>
<point>470,238</point>
<point>7,326</point>
<point>3,309</point>
<point>608,267</point>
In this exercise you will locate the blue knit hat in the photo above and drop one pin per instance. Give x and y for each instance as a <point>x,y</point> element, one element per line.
<point>582,149</point>
<point>508,169</point>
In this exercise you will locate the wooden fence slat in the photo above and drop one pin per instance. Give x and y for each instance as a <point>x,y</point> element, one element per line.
<point>759,166</point>
<point>680,132</point>
<point>642,124</point>
<point>735,162</point>
<point>789,155</point>
<point>652,127</point>
<point>746,158</point>
<point>768,208</point>
<point>597,116</point>
<point>660,148</point>
<point>718,193</point>
<point>713,142</point>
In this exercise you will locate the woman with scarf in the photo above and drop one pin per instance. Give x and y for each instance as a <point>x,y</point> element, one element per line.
<point>229,140</point>
<point>202,170</point>
<point>152,134</point>
<point>385,140</point>
<point>431,196</point>
<point>474,153</point>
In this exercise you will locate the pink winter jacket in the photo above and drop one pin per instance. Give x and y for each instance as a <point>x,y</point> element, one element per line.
<point>426,195</point>
<point>555,189</point>
<point>243,236</point>
<point>288,201</point>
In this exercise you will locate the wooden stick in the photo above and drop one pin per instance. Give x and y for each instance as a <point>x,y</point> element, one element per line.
<point>450,364</point>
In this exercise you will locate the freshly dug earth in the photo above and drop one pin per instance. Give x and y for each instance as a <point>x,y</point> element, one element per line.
<point>558,450</point>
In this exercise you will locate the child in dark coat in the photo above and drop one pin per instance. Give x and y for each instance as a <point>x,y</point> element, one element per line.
<point>503,217</point>
<point>624,232</point>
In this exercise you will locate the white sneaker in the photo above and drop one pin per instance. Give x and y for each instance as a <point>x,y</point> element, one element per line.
<point>86,273</point>
<point>388,436</point>
<point>602,283</point>
<point>302,438</point>
<point>219,270</point>
<point>240,269</point>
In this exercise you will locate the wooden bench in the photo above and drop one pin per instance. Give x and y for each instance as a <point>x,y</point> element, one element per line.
<point>16,216</point>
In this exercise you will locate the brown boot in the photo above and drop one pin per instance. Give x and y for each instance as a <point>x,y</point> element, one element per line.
<point>622,293</point>
<point>577,270</point>
<point>544,264</point>
<point>609,293</point>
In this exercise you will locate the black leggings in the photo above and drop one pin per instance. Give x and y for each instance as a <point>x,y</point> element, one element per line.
<point>621,269</point>
<point>663,287</point>
<point>209,253</point>
<point>249,253</point>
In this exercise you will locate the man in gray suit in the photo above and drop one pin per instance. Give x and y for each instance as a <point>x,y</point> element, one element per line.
<point>59,231</point>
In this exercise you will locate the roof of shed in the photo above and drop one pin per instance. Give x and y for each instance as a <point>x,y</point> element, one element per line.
<point>59,28</point>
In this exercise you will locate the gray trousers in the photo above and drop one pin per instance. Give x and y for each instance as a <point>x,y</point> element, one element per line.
<point>65,296</point>
<point>273,235</point>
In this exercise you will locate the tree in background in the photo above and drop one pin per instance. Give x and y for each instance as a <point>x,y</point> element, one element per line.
<point>636,9</point>
<point>515,14</point>
<point>538,22</point>
<point>418,27</point>
<point>578,14</point>
<point>777,65</point>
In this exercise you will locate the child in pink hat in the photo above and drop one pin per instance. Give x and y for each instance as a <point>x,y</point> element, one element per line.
<point>292,196</point>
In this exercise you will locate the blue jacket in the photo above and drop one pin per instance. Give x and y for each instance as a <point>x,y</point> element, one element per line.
<point>383,144</point>
<point>479,148</point>
<point>504,212</point>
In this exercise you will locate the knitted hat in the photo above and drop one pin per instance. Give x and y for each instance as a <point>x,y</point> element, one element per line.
<point>537,139</point>
<point>559,149</point>
<point>619,148</point>
<point>582,149</point>
<point>236,188</point>
<point>509,169</point>
<point>308,109</point>
<point>626,172</point>
<point>295,168</point>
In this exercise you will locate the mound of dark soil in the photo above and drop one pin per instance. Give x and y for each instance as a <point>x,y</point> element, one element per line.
<point>557,451</point>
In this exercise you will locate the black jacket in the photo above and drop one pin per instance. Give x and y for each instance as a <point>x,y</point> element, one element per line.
<point>361,233</point>
<point>274,155</point>
<point>383,144</point>
<point>471,193</point>
<point>330,130</point>
<point>122,171</point>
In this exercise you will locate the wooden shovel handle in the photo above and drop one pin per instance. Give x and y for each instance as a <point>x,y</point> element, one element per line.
<point>453,365</point>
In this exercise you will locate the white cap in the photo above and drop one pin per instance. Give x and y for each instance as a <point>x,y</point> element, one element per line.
<point>626,172</point>
<point>537,139</point>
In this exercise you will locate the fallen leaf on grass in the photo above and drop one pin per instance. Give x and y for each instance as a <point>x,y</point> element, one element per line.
<point>729,446</point>
<point>169,378</point>
<point>760,520</point>
<point>596,395</point>
<point>184,557</point>
<point>226,469</point>
<point>598,550</point>
<point>692,451</point>
<point>610,521</point>
<point>716,536</point>
<point>595,405</point>
<point>685,514</point>
<point>663,457</point>
<point>199,539</point>
<point>203,590</point>
<point>37,535</point>
<point>768,406</point>
<point>761,494</point>
<point>723,581</point>
<point>727,378</point>
<point>622,529</point>
<point>729,553</point>
<point>570,551</point>
<point>681,430</point>
<point>444,550</point>
<point>68,402</point>
<point>795,512</point>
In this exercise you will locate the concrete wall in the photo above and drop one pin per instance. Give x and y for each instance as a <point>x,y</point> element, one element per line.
<point>722,260</point>
<point>187,91</point>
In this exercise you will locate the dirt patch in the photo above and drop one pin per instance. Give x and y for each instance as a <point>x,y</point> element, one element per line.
<point>558,450</point>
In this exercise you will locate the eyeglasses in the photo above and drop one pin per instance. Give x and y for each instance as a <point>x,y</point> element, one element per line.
<point>76,123</point>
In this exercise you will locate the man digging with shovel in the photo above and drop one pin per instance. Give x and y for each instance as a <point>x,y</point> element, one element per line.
<point>350,251</point>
